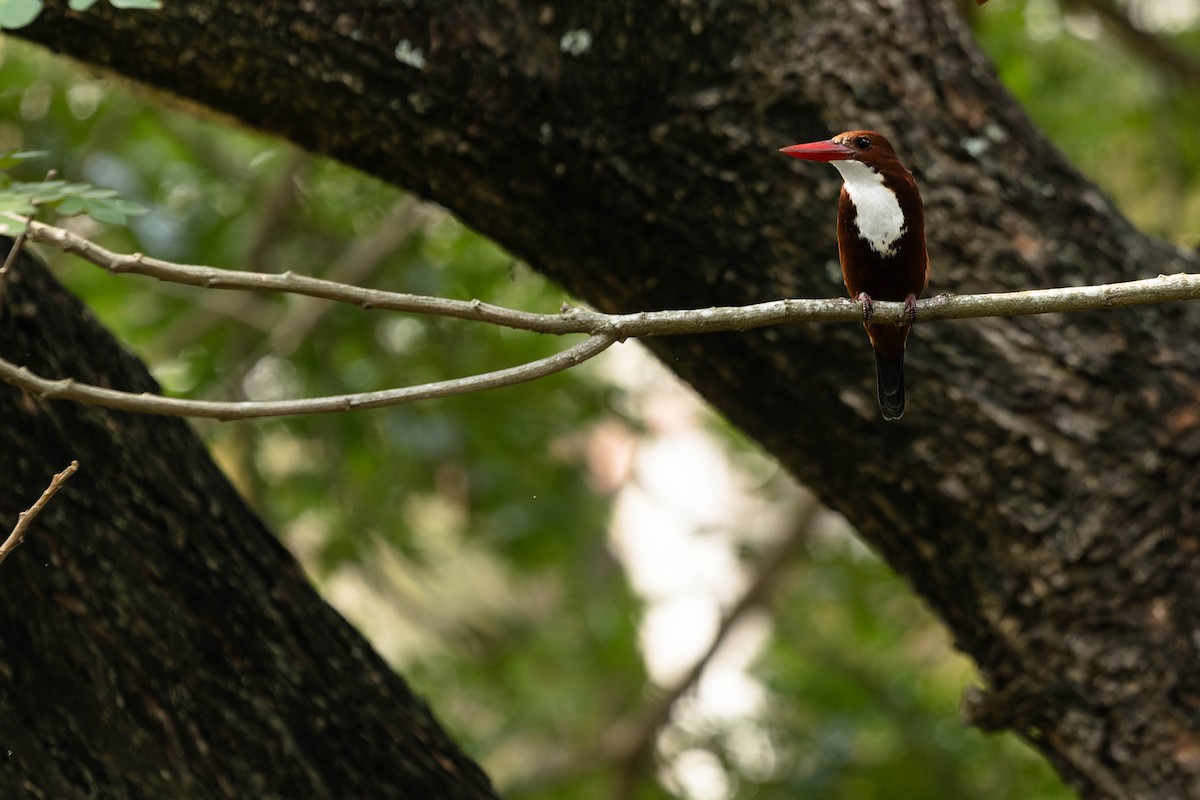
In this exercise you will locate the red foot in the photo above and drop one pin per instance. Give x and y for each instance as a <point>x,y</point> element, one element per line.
<point>910,303</point>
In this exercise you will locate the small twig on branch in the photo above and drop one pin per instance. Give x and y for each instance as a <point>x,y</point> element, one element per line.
<point>69,389</point>
<point>25,518</point>
<point>11,258</point>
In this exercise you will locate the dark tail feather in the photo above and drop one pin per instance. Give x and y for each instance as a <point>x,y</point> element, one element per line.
<point>889,375</point>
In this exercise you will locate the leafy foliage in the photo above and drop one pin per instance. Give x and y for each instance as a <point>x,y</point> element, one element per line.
<point>22,198</point>
<point>19,13</point>
<point>150,5</point>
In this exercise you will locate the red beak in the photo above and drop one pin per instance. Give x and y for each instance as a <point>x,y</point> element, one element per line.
<point>819,151</point>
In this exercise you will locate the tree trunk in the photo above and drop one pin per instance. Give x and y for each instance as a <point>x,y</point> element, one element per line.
<point>155,639</point>
<point>1042,492</point>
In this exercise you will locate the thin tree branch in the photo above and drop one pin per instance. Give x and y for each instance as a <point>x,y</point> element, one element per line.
<point>1151,291</point>
<point>273,210</point>
<point>404,219</point>
<point>368,254</point>
<point>603,329</point>
<point>213,278</point>
<point>70,389</point>
<point>25,518</point>
<point>1153,49</point>
<point>11,258</point>
<point>758,594</point>
<point>627,745</point>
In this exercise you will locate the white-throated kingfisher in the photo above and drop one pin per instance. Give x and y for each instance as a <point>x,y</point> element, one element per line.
<point>881,243</point>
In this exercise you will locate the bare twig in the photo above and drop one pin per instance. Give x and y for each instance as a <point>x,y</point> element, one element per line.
<point>603,329</point>
<point>367,255</point>
<point>627,745</point>
<point>1152,291</point>
<point>758,593</point>
<point>1153,49</point>
<point>11,258</point>
<point>69,389</point>
<point>354,266</point>
<point>213,278</point>
<point>25,518</point>
<point>276,207</point>
<point>271,214</point>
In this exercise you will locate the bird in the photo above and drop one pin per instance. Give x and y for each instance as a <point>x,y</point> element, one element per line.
<point>881,243</point>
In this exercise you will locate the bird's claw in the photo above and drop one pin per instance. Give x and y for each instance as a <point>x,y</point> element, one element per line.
<point>910,303</point>
<point>868,308</point>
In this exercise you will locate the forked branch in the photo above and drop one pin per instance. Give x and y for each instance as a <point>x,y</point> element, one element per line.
<point>603,330</point>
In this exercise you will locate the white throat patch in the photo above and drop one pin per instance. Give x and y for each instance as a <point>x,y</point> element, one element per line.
<point>878,217</point>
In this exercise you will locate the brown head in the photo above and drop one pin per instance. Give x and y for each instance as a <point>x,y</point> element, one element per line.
<point>867,147</point>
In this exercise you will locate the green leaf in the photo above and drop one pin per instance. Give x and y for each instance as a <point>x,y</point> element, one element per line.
<point>128,207</point>
<point>15,204</point>
<point>44,191</point>
<point>14,157</point>
<point>84,5</point>
<point>111,210</point>
<point>105,211</point>
<point>71,206</point>
<point>68,199</point>
<point>97,193</point>
<point>18,13</point>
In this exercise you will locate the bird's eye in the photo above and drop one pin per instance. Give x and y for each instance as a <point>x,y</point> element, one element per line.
<point>863,143</point>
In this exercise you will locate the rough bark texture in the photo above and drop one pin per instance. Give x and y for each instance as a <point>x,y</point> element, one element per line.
<point>156,641</point>
<point>1041,493</point>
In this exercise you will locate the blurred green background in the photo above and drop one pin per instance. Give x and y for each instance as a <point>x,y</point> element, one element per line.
<point>534,559</point>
